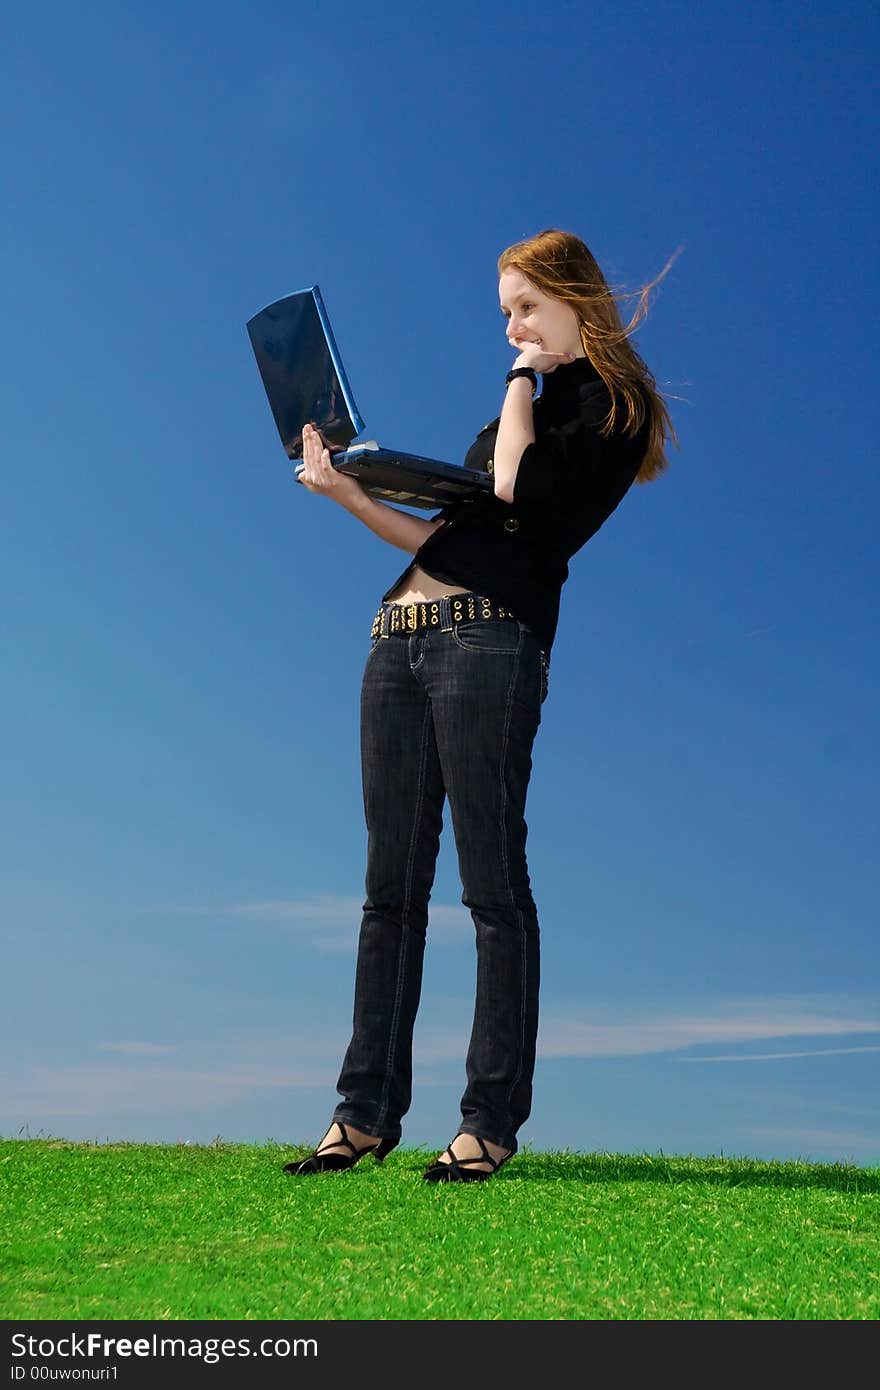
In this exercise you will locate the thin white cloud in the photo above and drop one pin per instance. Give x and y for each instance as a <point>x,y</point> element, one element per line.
<point>330,921</point>
<point>322,907</point>
<point>776,1056</point>
<point>722,1021</point>
<point>822,1139</point>
<point>83,1090</point>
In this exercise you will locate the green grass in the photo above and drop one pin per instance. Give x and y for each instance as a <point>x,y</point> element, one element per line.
<point>150,1231</point>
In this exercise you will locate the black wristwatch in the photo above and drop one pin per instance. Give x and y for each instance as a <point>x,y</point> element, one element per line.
<point>522,371</point>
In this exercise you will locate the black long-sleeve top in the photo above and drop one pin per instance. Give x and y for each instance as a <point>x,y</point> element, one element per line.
<point>568,483</point>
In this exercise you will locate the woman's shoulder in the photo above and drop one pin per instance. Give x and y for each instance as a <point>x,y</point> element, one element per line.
<point>593,408</point>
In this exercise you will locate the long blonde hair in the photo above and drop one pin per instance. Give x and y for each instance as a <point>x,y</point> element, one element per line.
<point>559,264</point>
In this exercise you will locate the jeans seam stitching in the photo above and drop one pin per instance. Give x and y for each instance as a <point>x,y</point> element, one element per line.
<point>518,910</point>
<point>404,923</point>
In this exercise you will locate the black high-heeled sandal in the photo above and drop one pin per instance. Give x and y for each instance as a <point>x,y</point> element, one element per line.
<point>320,1161</point>
<point>454,1171</point>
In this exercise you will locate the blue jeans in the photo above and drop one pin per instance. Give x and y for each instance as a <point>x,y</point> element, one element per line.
<point>450,710</point>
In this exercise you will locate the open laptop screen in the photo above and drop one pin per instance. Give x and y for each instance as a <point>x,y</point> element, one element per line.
<point>302,372</point>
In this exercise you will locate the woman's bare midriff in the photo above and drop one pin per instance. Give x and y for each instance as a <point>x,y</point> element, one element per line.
<point>419,587</point>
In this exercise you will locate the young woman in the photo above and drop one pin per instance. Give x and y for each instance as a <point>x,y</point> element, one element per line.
<point>452,692</point>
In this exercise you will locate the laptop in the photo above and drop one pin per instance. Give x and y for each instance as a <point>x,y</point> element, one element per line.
<point>305,380</point>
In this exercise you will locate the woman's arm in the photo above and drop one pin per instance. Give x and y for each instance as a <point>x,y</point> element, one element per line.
<point>397,528</point>
<point>319,475</point>
<point>516,429</point>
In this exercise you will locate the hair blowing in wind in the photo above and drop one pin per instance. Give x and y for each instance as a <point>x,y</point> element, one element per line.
<point>560,264</point>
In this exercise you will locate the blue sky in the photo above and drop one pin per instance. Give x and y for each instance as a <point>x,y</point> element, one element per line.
<point>184,629</point>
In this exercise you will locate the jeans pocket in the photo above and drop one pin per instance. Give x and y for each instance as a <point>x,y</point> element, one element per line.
<point>500,635</point>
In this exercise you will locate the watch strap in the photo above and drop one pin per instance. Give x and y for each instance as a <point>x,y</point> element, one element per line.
<point>523,371</point>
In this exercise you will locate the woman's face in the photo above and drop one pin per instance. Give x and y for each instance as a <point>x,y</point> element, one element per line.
<point>533,317</point>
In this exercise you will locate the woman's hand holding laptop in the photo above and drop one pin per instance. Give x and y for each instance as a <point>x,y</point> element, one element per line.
<point>320,476</point>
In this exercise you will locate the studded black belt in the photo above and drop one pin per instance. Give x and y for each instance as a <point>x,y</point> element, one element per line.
<point>401,618</point>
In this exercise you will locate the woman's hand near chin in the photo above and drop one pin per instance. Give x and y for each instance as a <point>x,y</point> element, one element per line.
<point>531,355</point>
